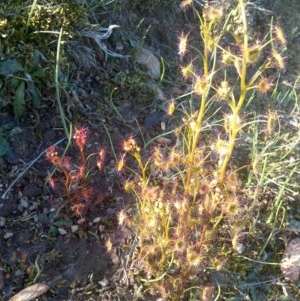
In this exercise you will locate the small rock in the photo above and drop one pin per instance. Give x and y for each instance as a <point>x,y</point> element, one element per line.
<point>97,220</point>
<point>150,61</point>
<point>8,235</point>
<point>62,231</point>
<point>74,228</point>
<point>104,282</point>
<point>2,221</point>
<point>101,228</point>
<point>114,258</point>
<point>24,202</point>
<point>81,221</point>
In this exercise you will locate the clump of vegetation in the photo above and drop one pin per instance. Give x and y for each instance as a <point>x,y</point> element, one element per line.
<point>73,180</point>
<point>28,39</point>
<point>32,35</point>
<point>191,198</point>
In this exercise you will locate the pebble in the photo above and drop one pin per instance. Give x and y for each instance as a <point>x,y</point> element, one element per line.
<point>24,202</point>
<point>2,221</point>
<point>81,221</point>
<point>74,228</point>
<point>62,231</point>
<point>8,235</point>
<point>97,220</point>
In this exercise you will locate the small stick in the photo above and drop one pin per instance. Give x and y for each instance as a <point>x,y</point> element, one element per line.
<point>30,164</point>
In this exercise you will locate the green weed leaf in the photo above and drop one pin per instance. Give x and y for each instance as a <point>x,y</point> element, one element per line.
<point>35,95</point>
<point>40,73</point>
<point>19,102</point>
<point>37,55</point>
<point>9,67</point>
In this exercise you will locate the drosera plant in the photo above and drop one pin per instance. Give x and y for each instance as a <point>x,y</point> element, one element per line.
<point>191,213</point>
<point>75,176</point>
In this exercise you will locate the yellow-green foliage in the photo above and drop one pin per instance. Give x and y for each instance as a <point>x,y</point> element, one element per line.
<point>190,210</point>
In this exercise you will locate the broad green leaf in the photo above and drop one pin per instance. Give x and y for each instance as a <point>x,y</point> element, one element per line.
<point>19,102</point>
<point>36,58</point>
<point>10,66</point>
<point>35,95</point>
<point>4,146</point>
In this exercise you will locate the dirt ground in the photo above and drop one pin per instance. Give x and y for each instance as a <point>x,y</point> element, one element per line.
<point>41,239</point>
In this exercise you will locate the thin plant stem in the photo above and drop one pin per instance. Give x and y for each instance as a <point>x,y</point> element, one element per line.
<point>243,92</point>
<point>60,108</point>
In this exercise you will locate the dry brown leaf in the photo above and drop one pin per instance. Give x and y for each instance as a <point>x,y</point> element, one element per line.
<point>30,292</point>
<point>290,263</point>
<point>164,140</point>
<point>150,61</point>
